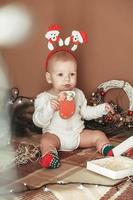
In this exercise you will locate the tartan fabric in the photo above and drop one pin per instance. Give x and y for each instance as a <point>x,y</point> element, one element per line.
<point>31,177</point>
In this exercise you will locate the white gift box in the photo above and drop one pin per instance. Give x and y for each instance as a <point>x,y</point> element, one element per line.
<point>116,167</point>
<point>113,167</point>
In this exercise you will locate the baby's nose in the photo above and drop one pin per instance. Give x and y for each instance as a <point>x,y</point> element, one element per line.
<point>67,78</point>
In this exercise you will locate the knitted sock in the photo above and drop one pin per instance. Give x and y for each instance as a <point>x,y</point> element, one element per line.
<point>50,160</point>
<point>107,150</point>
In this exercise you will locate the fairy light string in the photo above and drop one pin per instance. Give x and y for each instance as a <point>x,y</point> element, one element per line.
<point>16,98</point>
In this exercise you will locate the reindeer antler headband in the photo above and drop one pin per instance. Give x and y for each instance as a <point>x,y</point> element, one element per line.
<point>76,38</point>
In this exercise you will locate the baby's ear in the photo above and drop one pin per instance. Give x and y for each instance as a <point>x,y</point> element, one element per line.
<point>48,77</point>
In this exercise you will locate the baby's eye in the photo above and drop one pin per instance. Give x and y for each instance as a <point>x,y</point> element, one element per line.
<point>72,74</point>
<point>60,74</point>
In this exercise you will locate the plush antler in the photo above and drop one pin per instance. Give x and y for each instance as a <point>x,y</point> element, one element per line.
<point>53,36</point>
<point>76,38</point>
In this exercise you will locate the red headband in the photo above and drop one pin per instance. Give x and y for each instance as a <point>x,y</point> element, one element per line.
<point>76,38</point>
<point>53,52</point>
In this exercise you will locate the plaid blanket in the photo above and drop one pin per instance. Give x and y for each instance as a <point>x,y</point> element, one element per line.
<point>70,181</point>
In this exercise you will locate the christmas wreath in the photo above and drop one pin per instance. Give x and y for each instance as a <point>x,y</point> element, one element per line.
<point>120,117</point>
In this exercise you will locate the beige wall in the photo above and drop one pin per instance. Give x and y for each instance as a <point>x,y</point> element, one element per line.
<point>108,54</point>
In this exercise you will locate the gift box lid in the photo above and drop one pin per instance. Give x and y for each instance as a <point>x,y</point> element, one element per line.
<point>123,147</point>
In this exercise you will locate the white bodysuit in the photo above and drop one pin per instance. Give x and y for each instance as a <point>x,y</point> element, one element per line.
<point>67,130</point>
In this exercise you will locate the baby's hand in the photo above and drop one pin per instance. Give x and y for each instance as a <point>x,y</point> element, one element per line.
<point>109,108</point>
<point>54,104</point>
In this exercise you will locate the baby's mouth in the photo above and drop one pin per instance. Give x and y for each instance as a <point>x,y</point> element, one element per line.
<point>69,86</point>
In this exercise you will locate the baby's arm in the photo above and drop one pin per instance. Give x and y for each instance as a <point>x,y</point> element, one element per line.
<point>94,112</point>
<point>44,110</point>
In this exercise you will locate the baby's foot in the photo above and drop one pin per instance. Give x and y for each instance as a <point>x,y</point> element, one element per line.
<point>50,160</point>
<point>107,150</point>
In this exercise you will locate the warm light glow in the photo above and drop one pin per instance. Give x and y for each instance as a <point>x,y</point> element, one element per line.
<point>15,24</point>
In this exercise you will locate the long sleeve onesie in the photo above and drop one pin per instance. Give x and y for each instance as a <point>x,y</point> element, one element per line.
<point>66,129</point>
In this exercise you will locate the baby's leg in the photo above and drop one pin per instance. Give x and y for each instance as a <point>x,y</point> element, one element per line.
<point>49,142</point>
<point>90,138</point>
<point>49,145</point>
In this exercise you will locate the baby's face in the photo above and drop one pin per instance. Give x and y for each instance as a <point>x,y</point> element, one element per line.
<point>63,75</point>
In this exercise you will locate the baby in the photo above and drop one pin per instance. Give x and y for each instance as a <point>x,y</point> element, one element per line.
<point>62,132</point>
